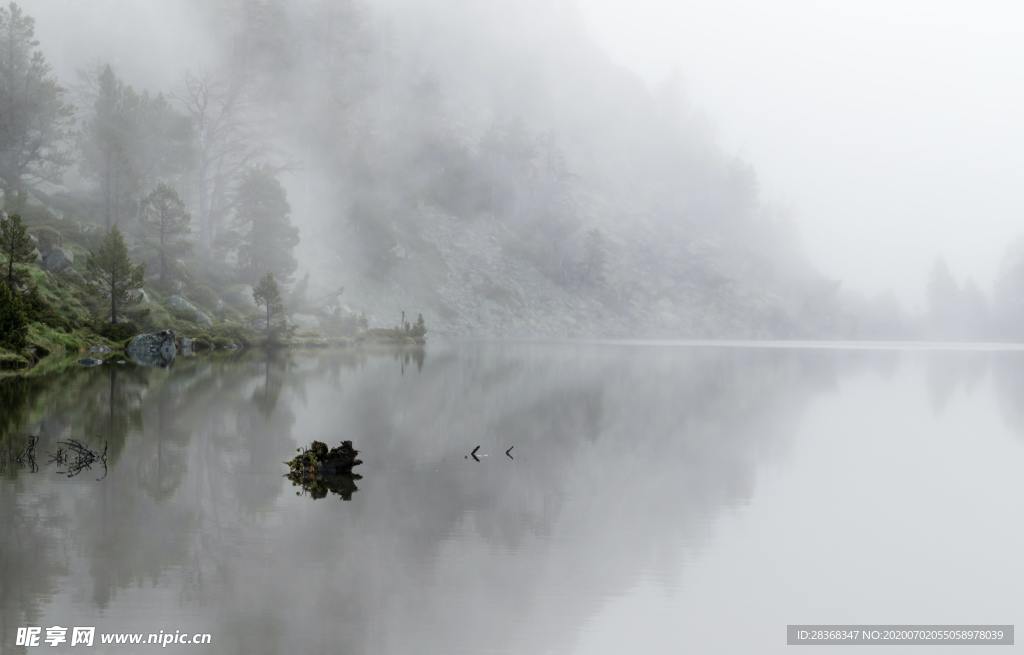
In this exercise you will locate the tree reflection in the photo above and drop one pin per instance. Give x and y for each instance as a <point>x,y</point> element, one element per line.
<point>620,459</point>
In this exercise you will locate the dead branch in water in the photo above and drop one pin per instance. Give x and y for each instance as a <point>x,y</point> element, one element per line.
<point>75,457</point>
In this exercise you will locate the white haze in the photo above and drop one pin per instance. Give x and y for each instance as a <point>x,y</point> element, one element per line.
<point>889,132</point>
<point>891,129</point>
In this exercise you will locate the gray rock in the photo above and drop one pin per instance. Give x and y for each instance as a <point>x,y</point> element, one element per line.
<point>99,349</point>
<point>46,239</point>
<point>90,361</point>
<point>153,349</point>
<point>58,259</point>
<point>182,305</point>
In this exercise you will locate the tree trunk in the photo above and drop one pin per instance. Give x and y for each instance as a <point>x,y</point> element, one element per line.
<point>163,256</point>
<point>108,189</point>
<point>113,299</point>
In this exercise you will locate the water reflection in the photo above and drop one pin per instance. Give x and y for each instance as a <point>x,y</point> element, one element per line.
<point>625,458</point>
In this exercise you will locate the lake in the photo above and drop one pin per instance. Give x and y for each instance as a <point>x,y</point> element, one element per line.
<point>658,497</point>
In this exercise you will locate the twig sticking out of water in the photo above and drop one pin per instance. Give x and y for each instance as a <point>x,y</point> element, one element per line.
<point>75,457</point>
<point>28,454</point>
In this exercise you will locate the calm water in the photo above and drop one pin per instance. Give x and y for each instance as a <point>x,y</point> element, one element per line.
<point>661,499</point>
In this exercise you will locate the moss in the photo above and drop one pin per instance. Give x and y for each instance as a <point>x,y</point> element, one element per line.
<point>65,343</point>
<point>392,336</point>
<point>221,343</point>
<point>63,295</point>
<point>233,332</point>
<point>12,361</point>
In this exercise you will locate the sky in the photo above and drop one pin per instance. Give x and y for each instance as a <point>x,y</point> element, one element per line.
<point>892,131</point>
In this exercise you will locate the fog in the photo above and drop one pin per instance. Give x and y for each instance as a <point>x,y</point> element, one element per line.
<point>890,129</point>
<point>612,168</point>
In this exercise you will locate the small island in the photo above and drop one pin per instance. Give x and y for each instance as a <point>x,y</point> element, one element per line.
<point>320,470</point>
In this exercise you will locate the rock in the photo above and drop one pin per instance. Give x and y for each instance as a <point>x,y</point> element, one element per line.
<point>46,239</point>
<point>90,361</point>
<point>320,471</point>
<point>58,259</point>
<point>153,349</point>
<point>181,305</point>
<point>100,349</point>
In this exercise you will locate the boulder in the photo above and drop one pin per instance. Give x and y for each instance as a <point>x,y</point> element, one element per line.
<point>58,259</point>
<point>90,362</point>
<point>101,349</point>
<point>181,305</point>
<point>46,239</point>
<point>153,349</point>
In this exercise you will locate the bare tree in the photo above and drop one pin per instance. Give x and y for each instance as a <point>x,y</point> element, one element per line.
<point>226,146</point>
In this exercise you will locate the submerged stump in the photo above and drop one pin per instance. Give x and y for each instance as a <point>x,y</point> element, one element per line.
<point>320,470</point>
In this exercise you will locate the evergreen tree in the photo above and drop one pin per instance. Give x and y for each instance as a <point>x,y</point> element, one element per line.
<point>15,245</point>
<point>13,324</point>
<point>165,224</point>
<point>105,147</point>
<point>130,140</point>
<point>268,295</point>
<point>266,237</point>
<point>112,274</point>
<point>35,118</point>
<point>420,328</point>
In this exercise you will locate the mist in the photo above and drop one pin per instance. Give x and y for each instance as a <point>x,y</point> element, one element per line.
<point>509,326</point>
<point>742,170</point>
<point>890,131</point>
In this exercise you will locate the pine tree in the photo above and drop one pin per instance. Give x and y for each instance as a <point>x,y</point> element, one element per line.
<point>13,324</point>
<point>35,118</point>
<point>15,245</point>
<point>266,294</point>
<point>420,328</point>
<point>266,235</point>
<point>105,148</point>
<point>165,223</point>
<point>130,140</point>
<point>112,274</point>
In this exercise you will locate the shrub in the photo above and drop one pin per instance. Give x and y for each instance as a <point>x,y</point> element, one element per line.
<point>118,331</point>
<point>37,309</point>
<point>13,322</point>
